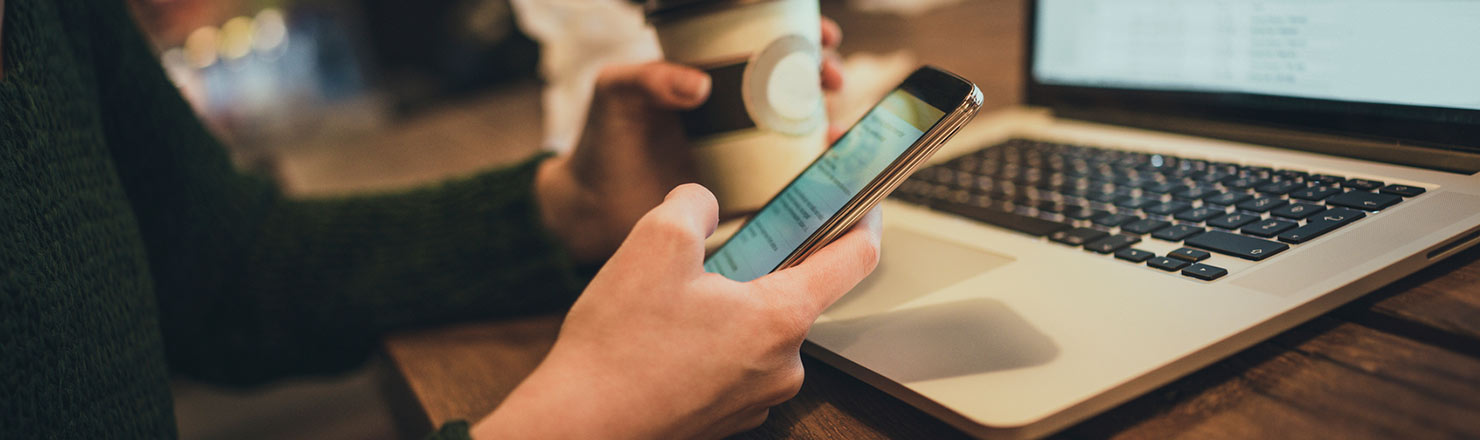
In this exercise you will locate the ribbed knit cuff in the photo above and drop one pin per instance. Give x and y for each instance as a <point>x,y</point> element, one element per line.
<point>453,430</point>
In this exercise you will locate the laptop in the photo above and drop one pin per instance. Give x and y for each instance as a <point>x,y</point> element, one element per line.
<point>1187,179</point>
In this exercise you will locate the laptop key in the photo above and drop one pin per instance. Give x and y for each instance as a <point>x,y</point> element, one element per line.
<point>1298,211</point>
<point>1255,170</point>
<point>1228,198</point>
<point>1324,179</point>
<point>1166,263</point>
<point>1134,255</point>
<point>1136,202</point>
<point>1204,272</point>
<point>1339,215</point>
<point>1165,187</point>
<point>1115,219</point>
<point>1077,236</point>
<point>1017,222</point>
<point>1211,176</point>
<point>1168,208</point>
<point>1141,183</point>
<point>1233,221</point>
<point>1291,175</point>
<point>1281,187</point>
<point>1268,228</point>
<point>1105,197</point>
<point>1079,212</point>
<point>1199,214</point>
<point>1190,255</point>
<point>1363,184</point>
<point>1315,193</point>
<point>1364,200</point>
<point>1196,193</point>
<point>1145,226</point>
<point>1177,233</point>
<point>1228,243</point>
<point>1402,190</point>
<point>1112,243</point>
<point>1245,182</point>
<point>1321,224</point>
<point>1262,204</point>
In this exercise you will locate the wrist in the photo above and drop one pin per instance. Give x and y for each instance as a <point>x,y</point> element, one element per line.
<point>563,400</point>
<point>566,209</point>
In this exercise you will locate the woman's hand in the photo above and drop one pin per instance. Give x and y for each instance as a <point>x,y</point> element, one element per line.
<point>632,151</point>
<point>658,348</point>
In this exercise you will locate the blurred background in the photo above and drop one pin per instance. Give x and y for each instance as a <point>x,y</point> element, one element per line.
<point>284,79</point>
<point>339,96</point>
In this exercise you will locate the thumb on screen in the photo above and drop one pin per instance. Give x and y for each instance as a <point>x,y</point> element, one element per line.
<point>675,230</point>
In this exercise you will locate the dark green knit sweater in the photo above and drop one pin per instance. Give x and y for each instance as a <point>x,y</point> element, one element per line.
<point>130,249</point>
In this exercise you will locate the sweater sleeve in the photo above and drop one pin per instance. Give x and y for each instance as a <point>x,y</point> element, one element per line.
<point>253,286</point>
<point>453,430</point>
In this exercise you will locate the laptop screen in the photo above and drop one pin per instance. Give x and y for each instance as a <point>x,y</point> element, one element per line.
<point>1411,66</point>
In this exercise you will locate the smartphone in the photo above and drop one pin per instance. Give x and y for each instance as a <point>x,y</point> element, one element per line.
<point>898,134</point>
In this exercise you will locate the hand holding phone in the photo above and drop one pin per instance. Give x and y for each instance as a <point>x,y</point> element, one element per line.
<point>904,129</point>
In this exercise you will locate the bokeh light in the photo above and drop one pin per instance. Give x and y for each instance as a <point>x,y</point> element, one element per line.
<point>200,47</point>
<point>236,38</point>
<point>269,30</point>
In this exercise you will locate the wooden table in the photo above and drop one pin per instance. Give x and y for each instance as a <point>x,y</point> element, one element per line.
<point>1401,362</point>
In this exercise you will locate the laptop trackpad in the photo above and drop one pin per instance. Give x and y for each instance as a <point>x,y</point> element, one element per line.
<point>958,338</point>
<point>935,341</point>
<point>913,265</point>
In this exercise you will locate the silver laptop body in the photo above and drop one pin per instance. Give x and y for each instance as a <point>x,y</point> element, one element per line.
<point>1003,333</point>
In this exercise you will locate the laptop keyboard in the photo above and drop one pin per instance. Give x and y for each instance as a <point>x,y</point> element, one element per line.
<point>1108,201</point>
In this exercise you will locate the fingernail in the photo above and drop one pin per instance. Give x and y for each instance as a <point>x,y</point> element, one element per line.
<point>693,86</point>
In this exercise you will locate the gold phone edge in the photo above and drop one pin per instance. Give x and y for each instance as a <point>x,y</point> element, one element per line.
<point>879,188</point>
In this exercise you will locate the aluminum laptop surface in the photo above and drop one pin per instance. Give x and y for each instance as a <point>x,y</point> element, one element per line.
<point>1008,334</point>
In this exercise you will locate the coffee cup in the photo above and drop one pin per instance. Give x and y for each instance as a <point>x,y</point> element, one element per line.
<point>764,120</point>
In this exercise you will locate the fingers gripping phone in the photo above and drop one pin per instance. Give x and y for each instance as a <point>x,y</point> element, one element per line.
<point>902,130</point>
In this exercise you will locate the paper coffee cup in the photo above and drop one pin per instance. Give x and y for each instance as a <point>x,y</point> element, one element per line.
<point>765,119</point>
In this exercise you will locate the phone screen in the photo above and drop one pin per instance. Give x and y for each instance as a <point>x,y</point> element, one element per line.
<point>865,151</point>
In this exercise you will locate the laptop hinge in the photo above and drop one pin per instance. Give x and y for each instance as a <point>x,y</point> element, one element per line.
<point>1429,157</point>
